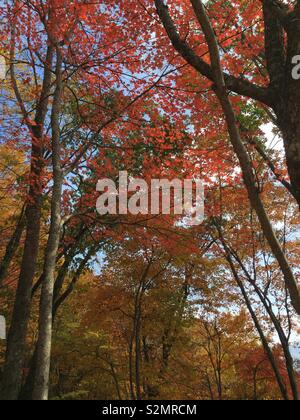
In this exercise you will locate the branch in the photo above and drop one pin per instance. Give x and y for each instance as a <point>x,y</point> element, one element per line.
<point>13,76</point>
<point>272,167</point>
<point>234,84</point>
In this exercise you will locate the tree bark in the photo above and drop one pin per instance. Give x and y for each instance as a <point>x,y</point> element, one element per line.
<point>288,109</point>
<point>27,389</point>
<point>41,384</point>
<point>12,374</point>
<point>138,351</point>
<point>12,246</point>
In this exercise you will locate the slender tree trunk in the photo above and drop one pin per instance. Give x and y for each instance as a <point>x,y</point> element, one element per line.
<point>264,341</point>
<point>255,395</point>
<point>41,384</point>
<point>133,361</point>
<point>289,362</point>
<point>27,389</point>
<point>276,323</point>
<point>138,350</point>
<point>131,375</point>
<point>116,381</point>
<point>16,342</point>
<point>219,369</point>
<point>211,392</point>
<point>12,246</point>
<point>219,385</point>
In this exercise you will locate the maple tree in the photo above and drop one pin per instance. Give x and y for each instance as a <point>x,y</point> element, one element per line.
<point>145,306</point>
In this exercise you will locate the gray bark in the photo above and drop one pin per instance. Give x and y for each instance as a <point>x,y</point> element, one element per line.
<point>12,373</point>
<point>41,384</point>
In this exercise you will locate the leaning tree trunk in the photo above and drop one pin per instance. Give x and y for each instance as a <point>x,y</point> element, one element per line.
<point>278,375</point>
<point>41,383</point>
<point>264,341</point>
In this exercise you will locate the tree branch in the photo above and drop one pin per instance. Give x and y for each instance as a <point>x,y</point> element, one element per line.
<point>234,84</point>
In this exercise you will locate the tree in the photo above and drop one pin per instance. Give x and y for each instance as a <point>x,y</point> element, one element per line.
<point>220,80</point>
<point>144,306</point>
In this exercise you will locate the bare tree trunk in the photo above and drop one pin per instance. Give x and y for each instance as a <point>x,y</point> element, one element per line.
<point>256,322</point>
<point>219,367</point>
<point>131,375</point>
<point>211,392</point>
<point>12,374</point>
<point>134,347</point>
<point>12,246</point>
<point>41,384</point>
<point>27,389</point>
<point>255,394</point>
<point>138,349</point>
<point>276,323</point>
<point>289,362</point>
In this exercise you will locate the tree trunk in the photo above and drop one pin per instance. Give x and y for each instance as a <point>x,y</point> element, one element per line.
<point>16,342</point>
<point>289,362</point>
<point>131,374</point>
<point>58,299</point>
<point>288,109</point>
<point>138,351</point>
<point>276,323</point>
<point>27,389</point>
<point>12,246</point>
<point>12,375</point>
<point>41,384</point>
<point>256,322</point>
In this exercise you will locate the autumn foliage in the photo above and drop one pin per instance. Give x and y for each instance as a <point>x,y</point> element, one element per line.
<point>146,307</point>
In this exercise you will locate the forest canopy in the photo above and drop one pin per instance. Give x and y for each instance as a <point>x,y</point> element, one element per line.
<point>149,302</point>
